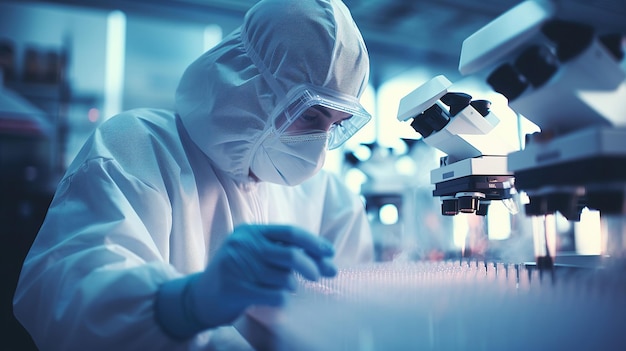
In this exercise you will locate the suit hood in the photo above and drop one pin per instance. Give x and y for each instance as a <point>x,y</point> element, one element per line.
<point>225,97</point>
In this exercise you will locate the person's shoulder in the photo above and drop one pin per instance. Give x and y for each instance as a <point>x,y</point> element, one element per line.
<point>139,128</point>
<point>133,120</point>
<point>136,137</point>
<point>143,143</point>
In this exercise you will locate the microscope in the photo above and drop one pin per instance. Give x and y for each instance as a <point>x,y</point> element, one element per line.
<point>560,65</point>
<point>474,170</point>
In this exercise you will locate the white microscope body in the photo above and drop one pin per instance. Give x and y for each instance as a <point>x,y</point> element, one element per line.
<point>473,172</point>
<point>560,64</point>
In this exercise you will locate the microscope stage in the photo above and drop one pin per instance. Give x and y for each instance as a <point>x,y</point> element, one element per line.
<point>483,165</point>
<point>593,155</point>
<point>485,174</point>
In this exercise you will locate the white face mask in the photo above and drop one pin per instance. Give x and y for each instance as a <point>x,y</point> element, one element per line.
<point>289,160</point>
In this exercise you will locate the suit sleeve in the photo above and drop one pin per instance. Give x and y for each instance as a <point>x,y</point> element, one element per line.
<point>90,278</point>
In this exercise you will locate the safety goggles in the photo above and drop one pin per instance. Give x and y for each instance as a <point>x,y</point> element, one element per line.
<point>308,109</point>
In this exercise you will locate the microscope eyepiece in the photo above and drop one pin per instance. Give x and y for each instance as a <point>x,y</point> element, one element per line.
<point>507,81</point>
<point>456,101</point>
<point>615,43</point>
<point>538,64</point>
<point>431,120</point>
<point>482,106</point>
<point>570,38</point>
<point>420,126</point>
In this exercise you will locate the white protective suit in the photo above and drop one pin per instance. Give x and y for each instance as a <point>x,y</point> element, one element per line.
<point>152,194</point>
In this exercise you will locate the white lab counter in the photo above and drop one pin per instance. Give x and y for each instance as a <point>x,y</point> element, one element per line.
<point>447,306</point>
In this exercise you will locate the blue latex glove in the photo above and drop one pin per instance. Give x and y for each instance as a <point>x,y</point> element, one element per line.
<point>254,266</point>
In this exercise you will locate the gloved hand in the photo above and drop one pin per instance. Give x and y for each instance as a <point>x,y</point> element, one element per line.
<point>254,266</point>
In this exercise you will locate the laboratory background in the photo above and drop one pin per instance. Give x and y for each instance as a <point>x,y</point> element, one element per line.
<point>493,171</point>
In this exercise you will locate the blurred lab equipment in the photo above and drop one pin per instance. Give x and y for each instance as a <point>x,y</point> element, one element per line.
<point>34,99</point>
<point>562,68</point>
<point>404,217</point>
<point>7,60</point>
<point>26,135</point>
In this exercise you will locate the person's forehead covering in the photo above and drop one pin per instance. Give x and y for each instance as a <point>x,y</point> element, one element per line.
<point>308,42</point>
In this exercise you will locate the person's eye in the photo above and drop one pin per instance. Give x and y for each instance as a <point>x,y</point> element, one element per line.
<point>310,117</point>
<point>340,122</point>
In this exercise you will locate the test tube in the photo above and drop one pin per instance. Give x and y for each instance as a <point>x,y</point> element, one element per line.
<point>613,231</point>
<point>544,240</point>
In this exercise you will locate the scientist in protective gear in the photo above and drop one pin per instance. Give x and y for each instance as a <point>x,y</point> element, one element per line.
<point>168,226</point>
